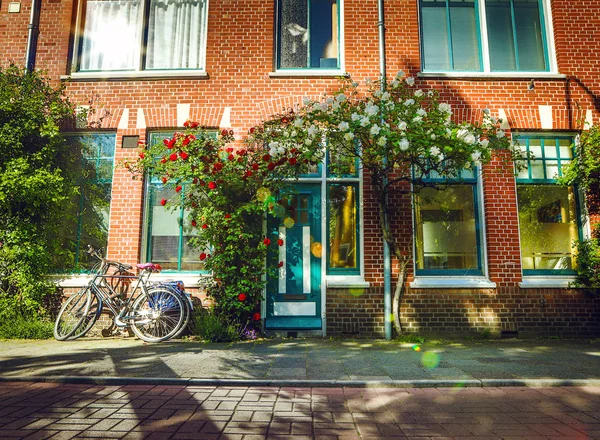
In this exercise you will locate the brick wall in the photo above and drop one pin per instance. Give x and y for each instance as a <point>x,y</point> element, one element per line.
<point>239,60</point>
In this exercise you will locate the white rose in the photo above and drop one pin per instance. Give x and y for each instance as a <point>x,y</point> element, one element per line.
<point>500,134</point>
<point>445,107</point>
<point>364,122</point>
<point>312,131</point>
<point>375,129</point>
<point>340,98</point>
<point>324,106</point>
<point>382,141</point>
<point>306,100</point>
<point>402,125</point>
<point>418,119</point>
<point>355,117</point>
<point>344,126</point>
<point>404,144</point>
<point>421,112</point>
<point>349,136</point>
<point>484,143</point>
<point>298,122</point>
<point>371,109</point>
<point>418,93</point>
<point>410,81</point>
<point>385,96</point>
<point>409,102</point>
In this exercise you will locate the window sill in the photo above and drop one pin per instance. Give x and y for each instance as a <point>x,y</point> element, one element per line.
<point>307,73</point>
<point>347,282</point>
<point>546,282</point>
<point>452,283</point>
<point>492,75</point>
<point>76,280</point>
<point>117,76</point>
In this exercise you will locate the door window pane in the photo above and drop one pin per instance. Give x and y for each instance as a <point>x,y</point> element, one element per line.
<point>447,229</point>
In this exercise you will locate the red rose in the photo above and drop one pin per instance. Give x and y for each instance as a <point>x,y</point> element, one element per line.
<point>231,132</point>
<point>173,157</point>
<point>163,202</point>
<point>142,155</point>
<point>164,180</point>
<point>248,174</point>
<point>280,264</point>
<point>242,153</point>
<point>166,142</point>
<point>186,141</point>
<point>212,185</point>
<point>280,242</point>
<point>242,297</point>
<point>194,223</point>
<point>256,317</point>
<point>186,124</point>
<point>230,157</point>
<point>271,166</point>
<point>171,143</point>
<point>255,166</point>
<point>202,256</point>
<point>293,161</point>
<point>184,155</point>
<point>252,129</point>
<point>229,150</point>
<point>178,188</point>
<point>218,166</point>
<point>293,151</point>
<point>194,125</point>
<point>267,241</point>
<point>163,160</point>
<point>195,181</point>
<point>227,215</point>
<point>224,133</point>
<point>204,226</point>
<point>267,157</point>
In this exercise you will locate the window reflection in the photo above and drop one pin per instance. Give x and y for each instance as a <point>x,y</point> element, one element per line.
<point>342,226</point>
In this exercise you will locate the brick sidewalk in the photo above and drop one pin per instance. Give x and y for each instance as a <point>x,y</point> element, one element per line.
<point>65,411</point>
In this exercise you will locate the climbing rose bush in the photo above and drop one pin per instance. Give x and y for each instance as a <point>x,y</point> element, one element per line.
<point>228,189</point>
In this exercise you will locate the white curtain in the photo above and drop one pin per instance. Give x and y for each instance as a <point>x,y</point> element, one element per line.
<point>176,34</point>
<point>111,36</point>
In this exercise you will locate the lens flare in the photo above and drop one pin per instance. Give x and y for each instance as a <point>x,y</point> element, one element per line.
<point>430,360</point>
<point>316,249</point>
<point>289,222</point>
<point>262,194</point>
<point>416,348</point>
<point>356,291</point>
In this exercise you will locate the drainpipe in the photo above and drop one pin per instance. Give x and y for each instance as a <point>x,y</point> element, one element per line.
<point>387,264</point>
<point>34,23</point>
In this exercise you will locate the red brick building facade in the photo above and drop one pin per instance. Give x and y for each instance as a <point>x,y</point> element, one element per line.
<point>242,78</point>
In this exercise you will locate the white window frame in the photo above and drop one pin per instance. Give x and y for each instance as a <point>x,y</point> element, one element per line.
<point>139,72</point>
<point>552,71</point>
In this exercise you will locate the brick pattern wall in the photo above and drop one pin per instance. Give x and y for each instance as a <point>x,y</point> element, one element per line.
<point>239,59</point>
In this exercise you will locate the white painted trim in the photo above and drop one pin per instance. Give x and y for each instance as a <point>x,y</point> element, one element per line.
<point>145,74</point>
<point>447,282</point>
<point>546,121</point>
<point>347,281</point>
<point>482,222</point>
<point>294,308</point>
<point>306,275</point>
<point>493,75</point>
<point>80,280</point>
<point>307,73</point>
<point>282,258</point>
<point>542,282</point>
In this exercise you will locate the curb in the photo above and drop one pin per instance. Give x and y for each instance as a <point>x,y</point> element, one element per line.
<point>481,383</point>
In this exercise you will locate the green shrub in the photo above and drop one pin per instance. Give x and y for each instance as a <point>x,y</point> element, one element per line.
<point>21,327</point>
<point>588,264</point>
<point>213,327</point>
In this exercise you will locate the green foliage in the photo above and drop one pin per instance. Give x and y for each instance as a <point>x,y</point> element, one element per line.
<point>213,327</point>
<point>584,170</point>
<point>228,191</point>
<point>37,171</point>
<point>18,326</point>
<point>588,264</point>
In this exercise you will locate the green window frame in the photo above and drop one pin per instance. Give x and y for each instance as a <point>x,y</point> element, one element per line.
<point>515,34</point>
<point>343,217</point>
<point>140,35</point>
<point>173,253</point>
<point>432,242</point>
<point>549,214</point>
<point>93,201</point>
<point>307,34</point>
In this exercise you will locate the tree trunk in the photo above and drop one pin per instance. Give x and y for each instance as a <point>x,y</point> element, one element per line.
<point>398,294</point>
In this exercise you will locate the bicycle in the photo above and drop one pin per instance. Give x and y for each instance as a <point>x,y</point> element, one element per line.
<point>160,312</point>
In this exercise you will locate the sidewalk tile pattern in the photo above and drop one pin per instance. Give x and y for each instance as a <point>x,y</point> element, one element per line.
<point>30,410</point>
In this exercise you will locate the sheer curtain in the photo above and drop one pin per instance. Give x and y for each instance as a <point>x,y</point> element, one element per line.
<point>111,36</point>
<point>176,34</point>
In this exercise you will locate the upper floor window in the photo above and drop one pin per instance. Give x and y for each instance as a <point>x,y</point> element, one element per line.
<point>448,229</point>
<point>484,36</point>
<point>138,35</point>
<point>308,34</point>
<point>548,213</point>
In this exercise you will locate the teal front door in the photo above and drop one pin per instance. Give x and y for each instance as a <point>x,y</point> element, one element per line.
<point>294,293</point>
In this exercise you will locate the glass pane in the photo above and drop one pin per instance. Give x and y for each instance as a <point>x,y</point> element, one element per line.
<point>465,40</point>
<point>500,35</point>
<point>548,226</point>
<point>535,147</point>
<point>176,34</point>
<point>165,230</point>
<point>111,35</point>
<point>436,47</point>
<point>551,169</point>
<point>446,228</point>
<point>529,35</point>
<point>93,221</point>
<point>564,146</point>
<point>523,172</point>
<point>341,164</point>
<point>323,34</point>
<point>342,226</point>
<point>537,169</point>
<point>293,33</point>
<point>549,148</point>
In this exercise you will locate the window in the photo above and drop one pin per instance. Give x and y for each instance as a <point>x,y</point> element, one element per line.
<point>448,232</point>
<point>484,36</point>
<point>548,213</point>
<point>138,35</point>
<point>308,34</point>
<point>168,232</point>
<point>93,202</point>
<point>343,217</point>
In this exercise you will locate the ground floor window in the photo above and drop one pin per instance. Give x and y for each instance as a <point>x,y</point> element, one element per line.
<point>447,230</point>
<point>548,213</point>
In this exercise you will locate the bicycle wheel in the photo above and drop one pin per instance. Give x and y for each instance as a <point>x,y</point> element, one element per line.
<point>72,314</point>
<point>157,315</point>
<point>90,318</point>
